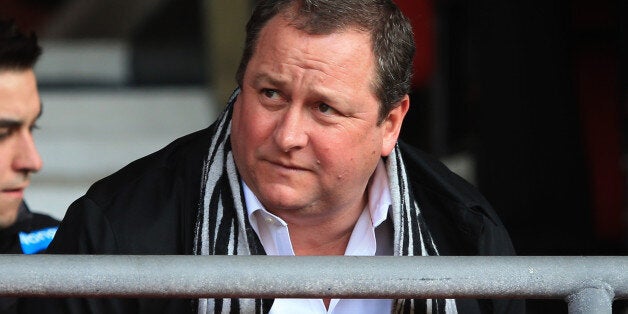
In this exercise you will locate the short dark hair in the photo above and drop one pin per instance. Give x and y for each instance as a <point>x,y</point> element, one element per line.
<point>17,50</point>
<point>391,34</point>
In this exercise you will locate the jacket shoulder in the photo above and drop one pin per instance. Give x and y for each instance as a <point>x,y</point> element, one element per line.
<point>147,207</point>
<point>432,176</point>
<point>460,219</point>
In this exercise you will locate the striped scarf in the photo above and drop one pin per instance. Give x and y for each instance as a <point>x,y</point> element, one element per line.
<point>222,226</point>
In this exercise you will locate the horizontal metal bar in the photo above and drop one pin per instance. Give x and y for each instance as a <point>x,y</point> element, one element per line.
<point>310,276</point>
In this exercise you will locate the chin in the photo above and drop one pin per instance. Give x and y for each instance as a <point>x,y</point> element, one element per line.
<point>283,203</point>
<point>280,199</point>
<point>10,203</point>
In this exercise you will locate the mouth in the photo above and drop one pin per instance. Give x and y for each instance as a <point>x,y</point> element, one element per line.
<point>287,166</point>
<point>16,188</point>
<point>18,192</point>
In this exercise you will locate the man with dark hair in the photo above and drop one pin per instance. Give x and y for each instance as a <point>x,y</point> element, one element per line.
<point>303,161</point>
<point>20,107</point>
<point>21,231</point>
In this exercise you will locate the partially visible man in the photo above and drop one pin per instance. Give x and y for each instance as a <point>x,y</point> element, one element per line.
<point>303,161</point>
<point>21,231</point>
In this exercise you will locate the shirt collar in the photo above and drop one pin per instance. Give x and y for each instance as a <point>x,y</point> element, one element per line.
<point>252,205</point>
<point>379,195</point>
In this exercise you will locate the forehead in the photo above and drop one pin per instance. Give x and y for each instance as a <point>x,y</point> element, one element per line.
<point>19,98</point>
<point>338,65</point>
<point>343,49</point>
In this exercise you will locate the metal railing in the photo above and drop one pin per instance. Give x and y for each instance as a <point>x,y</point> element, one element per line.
<point>588,284</point>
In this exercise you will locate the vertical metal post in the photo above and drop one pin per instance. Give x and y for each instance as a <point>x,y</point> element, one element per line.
<point>591,301</point>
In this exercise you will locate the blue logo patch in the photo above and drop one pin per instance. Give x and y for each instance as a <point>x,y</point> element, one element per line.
<point>37,241</point>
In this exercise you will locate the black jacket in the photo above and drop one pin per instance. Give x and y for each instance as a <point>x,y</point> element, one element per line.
<point>149,207</point>
<point>28,224</point>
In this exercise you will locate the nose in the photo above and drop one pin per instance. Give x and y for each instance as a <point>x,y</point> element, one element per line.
<point>26,158</point>
<point>290,131</point>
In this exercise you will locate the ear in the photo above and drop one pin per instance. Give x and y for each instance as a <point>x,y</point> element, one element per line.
<point>391,126</point>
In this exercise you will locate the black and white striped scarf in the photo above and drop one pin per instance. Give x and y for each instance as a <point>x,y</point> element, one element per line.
<point>223,228</point>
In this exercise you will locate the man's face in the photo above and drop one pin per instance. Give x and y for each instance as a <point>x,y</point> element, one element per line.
<point>19,109</point>
<point>305,135</point>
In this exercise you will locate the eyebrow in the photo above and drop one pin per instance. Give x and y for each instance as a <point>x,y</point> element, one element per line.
<point>10,123</point>
<point>266,78</point>
<point>13,123</point>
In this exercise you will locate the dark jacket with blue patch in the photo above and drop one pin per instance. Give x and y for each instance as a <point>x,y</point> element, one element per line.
<point>31,233</point>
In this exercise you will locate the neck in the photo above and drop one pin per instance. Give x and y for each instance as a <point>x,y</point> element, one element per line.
<point>313,241</point>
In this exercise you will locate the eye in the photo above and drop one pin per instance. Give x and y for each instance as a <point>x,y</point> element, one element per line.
<point>33,127</point>
<point>5,132</point>
<point>326,109</point>
<point>270,93</point>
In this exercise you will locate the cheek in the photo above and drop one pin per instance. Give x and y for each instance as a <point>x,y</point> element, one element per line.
<point>348,160</point>
<point>244,125</point>
<point>250,135</point>
<point>5,161</point>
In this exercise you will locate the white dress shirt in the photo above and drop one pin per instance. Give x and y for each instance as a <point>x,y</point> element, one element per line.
<point>274,236</point>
